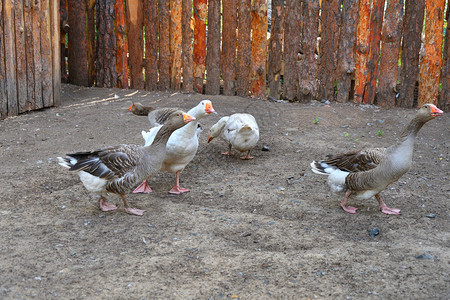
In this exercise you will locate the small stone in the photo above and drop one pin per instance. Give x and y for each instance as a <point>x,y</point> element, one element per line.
<point>425,256</point>
<point>102,216</point>
<point>431,216</point>
<point>265,148</point>
<point>320,273</point>
<point>374,231</point>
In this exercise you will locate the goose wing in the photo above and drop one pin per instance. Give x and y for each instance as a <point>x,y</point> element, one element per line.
<point>357,161</point>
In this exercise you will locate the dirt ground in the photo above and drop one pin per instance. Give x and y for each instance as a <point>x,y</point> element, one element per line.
<point>266,228</point>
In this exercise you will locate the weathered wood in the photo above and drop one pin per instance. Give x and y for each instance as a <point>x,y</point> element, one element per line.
<point>444,99</point>
<point>3,98</point>
<point>431,62</point>
<point>29,45</point>
<point>164,45</point>
<point>135,42</point>
<point>21,60</point>
<point>187,35</point>
<point>91,41</point>
<point>243,48</point>
<point>175,44</point>
<point>120,26</point>
<point>64,29</point>
<point>376,22</point>
<point>151,44</point>
<point>106,39</point>
<point>47,76</point>
<point>10,58</point>
<point>213,49</point>
<point>275,48</point>
<point>362,50</point>
<point>259,49</point>
<point>36,11</point>
<point>346,55</point>
<point>390,50</point>
<point>229,46</point>
<point>413,24</point>
<point>292,40</point>
<point>328,48</point>
<point>199,59</point>
<point>307,89</point>
<point>56,66</point>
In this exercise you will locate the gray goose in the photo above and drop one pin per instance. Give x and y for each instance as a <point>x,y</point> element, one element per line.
<point>119,169</point>
<point>366,173</point>
<point>156,116</point>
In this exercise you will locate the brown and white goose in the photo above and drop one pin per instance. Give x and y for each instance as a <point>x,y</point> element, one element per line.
<point>119,169</point>
<point>366,173</point>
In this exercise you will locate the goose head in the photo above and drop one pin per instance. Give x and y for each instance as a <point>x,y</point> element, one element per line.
<point>428,112</point>
<point>178,119</point>
<point>217,128</point>
<point>204,108</point>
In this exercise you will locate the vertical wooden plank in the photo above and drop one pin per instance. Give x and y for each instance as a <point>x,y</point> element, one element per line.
<point>3,98</point>
<point>243,48</point>
<point>413,24</point>
<point>121,44</point>
<point>188,33</point>
<point>376,22</point>
<point>390,50</point>
<point>56,52</point>
<point>151,44</point>
<point>164,46</point>
<point>21,60</point>
<point>444,99</point>
<point>292,40</point>
<point>78,42</point>
<point>135,42</point>
<point>346,55</point>
<point>46,55</point>
<point>259,49</point>
<point>229,46</point>
<point>91,40</point>
<point>29,45</point>
<point>37,54</point>
<point>64,29</point>
<point>106,39</point>
<point>175,44</point>
<point>431,62</point>
<point>307,90</point>
<point>200,14</point>
<point>275,48</point>
<point>328,48</point>
<point>213,49</point>
<point>362,50</point>
<point>10,58</point>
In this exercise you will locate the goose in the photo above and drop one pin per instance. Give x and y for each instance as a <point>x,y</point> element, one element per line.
<point>181,146</point>
<point>239,130</point>
<point>119,169</point>
<point>366,173</point>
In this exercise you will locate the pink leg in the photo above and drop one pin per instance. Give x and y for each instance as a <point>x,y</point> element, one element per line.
<point>143,188</point>
<point>105,206</point>
<point>228,153</point>
<point>247,156</point>
<point>176,189</point>
<point>384,209</point>
<point>349,209</point>
<point>131,210</point>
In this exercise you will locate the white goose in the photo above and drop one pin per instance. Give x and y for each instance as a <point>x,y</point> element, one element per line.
<point>366,173</point>
<point>240,131</point>
<point>180,148</point>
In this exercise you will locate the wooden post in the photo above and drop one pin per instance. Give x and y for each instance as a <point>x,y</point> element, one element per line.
<point>292,40</point>
<point>10,58</point>
<point>413,24</point>
<point>164,46</point>
<point>135,42</point>
<point>275,48</point>
<point>376,22</point>
<point>213,49</point>
<point>243,48</point>
<point>56,52</point>
<point>3,98</point>
<point>106,39</point>
<point>229,46</point>
<point>328,48</point>
<point>200,14</point>
<point>307,90</point>
<point>444,99</point>
<point>151,45</point>
<point>175,44</point>
<point>259,49</point>
<point>47,76</point>
<point>346,56</point>
<point>362,50</point>
<point>64,29</point>
<point>390,50</point>
<point>431,61</point>
<point>120,26</point>
<point>38,75</point>
<point>29,45</point>
<point>187,35</point>
<point>21,60</point>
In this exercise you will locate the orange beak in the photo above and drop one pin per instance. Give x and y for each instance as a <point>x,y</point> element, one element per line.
<point>210,138</point>
<point>187,118</point>
<point>208,108</point>
<point>131,108</point>
<point>435,112</point>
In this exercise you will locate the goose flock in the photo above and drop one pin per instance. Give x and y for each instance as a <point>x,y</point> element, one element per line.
<point>172,142</point>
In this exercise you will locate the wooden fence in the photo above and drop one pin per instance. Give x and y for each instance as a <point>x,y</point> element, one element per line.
<point>29,55</point>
